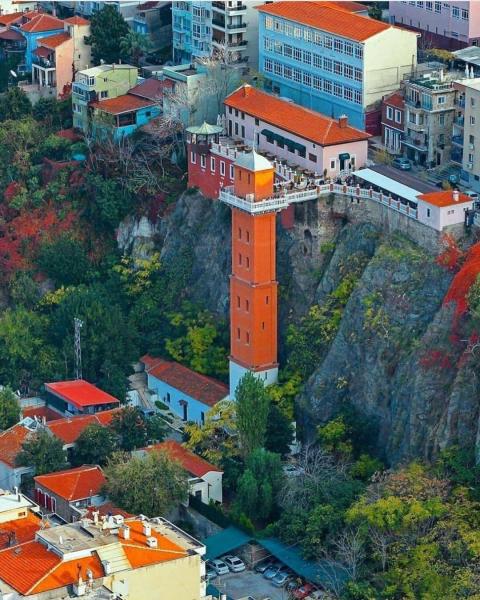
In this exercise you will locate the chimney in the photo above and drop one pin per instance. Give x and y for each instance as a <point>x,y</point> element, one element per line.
<point>152,542</point>
<point>456,195</point>
<point>124,532</point>
<point>246,90</point>
<point>343,121</point>
<point>147,529</point>
<point>107,568</point>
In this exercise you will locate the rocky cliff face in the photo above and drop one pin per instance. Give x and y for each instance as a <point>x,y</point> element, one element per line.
<point>392,357</point>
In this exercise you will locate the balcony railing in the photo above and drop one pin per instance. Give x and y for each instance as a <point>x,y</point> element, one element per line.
<point>459,121</point>
<point>233,26</point>
<point>417,143</point>
<point>460,102</point>
<point>43,62</point>
<point>457,139</point>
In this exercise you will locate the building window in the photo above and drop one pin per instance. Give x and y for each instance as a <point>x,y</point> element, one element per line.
<point>287,72</point>
<point>268,23</point>
<point>429,5</point>
<point>328,64</point>
<point>348,71</point>
<point>398,116</point>
<point>236,129</point>
<point>337,90</point>
<point>288,30</point>
<point>328,42</point>
<point>243,131</point>
<point>297,75</point>
<point>337,67</point>
<point>238,333</point>
<point>247,337</point>
<point>168,397</point>
<point>247,306</point>
<point>317,38</point>
<point>297,54</point>
<point>348,94</point>
<point>338,45</point>
<point>464,14</point>
<point>455,12</point>
<point>278,68</point>
<point>317,83</point>
<point>389,113</point>
<point>203,161</point>
<point>438,7</point>
<point>472,101</point>
<point>239,259</point>
<point>104,94</point>
<point>257,122</point>
<point>332,164</point>
<point>247,260</point>
<point>470,158</point>
<point>231,172</point>
<point>441,100</point>
<point>317,61</point>
<point>312,157</point>
<point>327,86</point>
<point>263,324</point>
<point>471,140</point>
<point>297,32</point>
<point>248,236</point>
<point>212,164</point>
<point>193,158</point>
<point>472,120</point>
<point>358,51</point>
<point>307,57</point>
<point>287,51</point>
<point>222,168</point>
<point>268,65</point>
<point>267,300</point>
<point>239,233</point>
<point>348,48</point>
<point>358,97</point>
<point>307,79</point>
<point>441,119</point>
<point>358,74</point>
<point>238,302</point>
<point>428,212</point>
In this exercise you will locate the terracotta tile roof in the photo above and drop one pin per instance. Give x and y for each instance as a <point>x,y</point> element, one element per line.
<point>151,89</point>
<point>41,412</point>
<point>107,508</point>
<point>200,387</point>
<point>42,22</point>
<point>148,5</point>
<point>54,40</point>
<point>42,52</point>
<point>121,104</point>
<point>66,573</point>
<point>139,554</point>
<point>68,429</point>
<point>352,7</point>
<point>327,18</point>
<point>76,20</point>
<point>11,34</point>
<point>445,198</point>
<point>24,529</point>
<point>194,464</point>
<point>73,484</point>
<point>80,393</point>
<point>395,99</point>
<point>10,18</point>
<point>291,117</point>
<point>11,441</point>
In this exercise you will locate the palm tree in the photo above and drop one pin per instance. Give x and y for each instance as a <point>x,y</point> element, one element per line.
<point>134,45</point>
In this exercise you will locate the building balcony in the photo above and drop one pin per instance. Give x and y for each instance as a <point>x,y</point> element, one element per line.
<point>457,156</point>
<point>457,139</point>
<point>219,23</point>
<point>44,63</point>
<point>460,102</point>
<point>239,27</point>
<point>460,121</point>
<point>416,143</point>
<point>420,127</point>
<point>238,44</point>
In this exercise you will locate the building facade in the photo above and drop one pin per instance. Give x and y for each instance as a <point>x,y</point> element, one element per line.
<point>429,117</point>
<point>449,25</point>
<point>330,60</point>
<point>466,132</point>
<point>393,122</point>
<point>122,116</point>
<point>154,19</point>
<point>78,397</point>
<point>34,27</point>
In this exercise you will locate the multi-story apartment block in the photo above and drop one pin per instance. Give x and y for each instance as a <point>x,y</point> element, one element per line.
<point>466,132</point>
<point>97,84</point>
<point>154,19</point>
<point>393,122</point>
<point>200,28</point>
<point>127,8</point>
<point>450,25</point>
<point>331,60</point>
<point>430,111</point>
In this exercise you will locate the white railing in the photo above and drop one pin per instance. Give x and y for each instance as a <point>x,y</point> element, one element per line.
<point>227,151</point>
<point>284,199</point>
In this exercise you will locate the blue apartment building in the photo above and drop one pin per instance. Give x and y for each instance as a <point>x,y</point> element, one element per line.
<point>331,60</point>
<point>192,30</point>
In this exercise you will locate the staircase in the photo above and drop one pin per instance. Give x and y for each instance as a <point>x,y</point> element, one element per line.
<point>115,555</point>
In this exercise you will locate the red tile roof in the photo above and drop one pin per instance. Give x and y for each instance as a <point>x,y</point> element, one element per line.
<point>11,441</point>
<point>148,5</point>
<point>291,117</point>
<point>10,18</point>
<point>24,565</point>
<point>42,52</point>
<point>80,393</point>
<point>107,508</point>
<point>11,34</point>
<point>395,99</point>
<point>74,484</point>
<point>54,40</point>
<point>76,20</point>
<point>41,412</point>
<point>24,529</point>
<point>353,7</point>
<point>194,464</point>
<point>122,104</point>
<point>42,22</point>
<point>68,429</point>
<point>327,18</point>
<point>200,387</point>
<point>445,198</point>
<point>66,573</point>
<point>151,89</point>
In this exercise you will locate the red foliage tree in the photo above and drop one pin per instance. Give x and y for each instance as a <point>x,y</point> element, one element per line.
<point>463,281</point>
<point>451,255</point>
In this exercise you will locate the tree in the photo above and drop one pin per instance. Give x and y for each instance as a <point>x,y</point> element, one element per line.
<point>259,485</point>
<point>375,11</point>
<point>222,75</point>
<point>130,426</point>
<point>9,408</point>
<point>64,260</point>
<point>252,402</point>
<point>279,434</point>
<point>134,45</point>
<point>14,104</point>
<point>107,27</point>
<point>152,485</point>
<point>94,445</point>
<point>43,452</point>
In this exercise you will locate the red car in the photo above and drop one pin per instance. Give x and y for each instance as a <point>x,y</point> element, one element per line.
<point>303,591</point>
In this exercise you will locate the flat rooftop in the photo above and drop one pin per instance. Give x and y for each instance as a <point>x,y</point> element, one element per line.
<point>10,501</point>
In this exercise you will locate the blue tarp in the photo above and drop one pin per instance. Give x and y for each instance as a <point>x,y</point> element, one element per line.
<point>226,541</point>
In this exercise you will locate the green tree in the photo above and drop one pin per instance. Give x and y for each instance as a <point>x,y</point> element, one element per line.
<point>23,290</point>
<point>9,408</point>
<point>252,402</point>
<point>375,11</point>
<point>14,104</point>
<point>130,426</point>
<point>94,446</point>
<point>107,27</point>
<point>335,437</point>
<point>133,46</point>
<point>279,433</point>
<point>64,260</point>
<point>259,485</point>
<point>152,485</point>
<point>107,202</point>
<point>43,452</point>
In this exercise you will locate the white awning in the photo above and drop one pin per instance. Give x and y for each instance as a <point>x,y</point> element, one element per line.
<point>387,184</point>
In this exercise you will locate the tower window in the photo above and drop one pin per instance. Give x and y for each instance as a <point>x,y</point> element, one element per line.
<point>239,233</point>
<point>212,164</point>
<point>193,158</point>
<point>238,333</point>
<point>203,161</point>
<point>248,178</point>
<point>247,305</point>
<point>248,236</point>
<point>263,324</point>
<point>267,300</point>
<point>248,262</point>
<point>239,259</point>
<point>238,301</point>
<point>247,337</point>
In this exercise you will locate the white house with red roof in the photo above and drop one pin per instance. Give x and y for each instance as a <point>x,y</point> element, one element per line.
<point>78,397</point>
<point>19,519</point>
<point>443,209</point>
<point>205,479</point>
<point>188,394</point>
<point>69,493</point>
<point>11,441</point>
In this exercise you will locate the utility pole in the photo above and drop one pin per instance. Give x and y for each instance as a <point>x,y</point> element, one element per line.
<point>78,348</point>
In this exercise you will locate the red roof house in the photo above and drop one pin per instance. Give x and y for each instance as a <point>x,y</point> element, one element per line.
<point>79,397</point>
<point>68,429</point>
<point>11,441</point>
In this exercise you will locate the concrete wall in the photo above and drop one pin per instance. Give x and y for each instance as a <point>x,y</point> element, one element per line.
<point>11,477</point>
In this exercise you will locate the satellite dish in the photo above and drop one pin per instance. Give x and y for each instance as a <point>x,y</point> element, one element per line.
<point>13,74</point>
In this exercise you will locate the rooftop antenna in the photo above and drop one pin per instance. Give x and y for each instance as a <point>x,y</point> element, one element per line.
<point>78,348</point>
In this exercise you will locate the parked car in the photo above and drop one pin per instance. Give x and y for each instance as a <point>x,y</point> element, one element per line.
<point>234,563</point>
<point>303,591</point>
<point>471,194</point>
<point>281,578</point>
<point>218,566</point>
<point>401,163</point>
<point>291,586</point>
<point>264,565</point>
<point>273,570</point>
<point>210,573</point>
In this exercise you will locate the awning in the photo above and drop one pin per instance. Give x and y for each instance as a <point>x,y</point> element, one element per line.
<point>325,573</point>
<point>42,52</point>
<point>225,541</point>
<point>387,184</point>
<point>284,141</point>
<point>344,156</point>
<point>11,35</point>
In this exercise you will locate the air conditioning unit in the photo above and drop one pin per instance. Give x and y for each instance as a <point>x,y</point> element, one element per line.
<point>152,542</point>
<point>471,146</point>
<point>469,165</point>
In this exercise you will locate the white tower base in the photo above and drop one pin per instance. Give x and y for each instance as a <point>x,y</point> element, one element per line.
<point>268,376</point>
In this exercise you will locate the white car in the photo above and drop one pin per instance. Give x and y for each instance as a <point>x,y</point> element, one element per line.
<point>218,566</point>
<point>234,563</point>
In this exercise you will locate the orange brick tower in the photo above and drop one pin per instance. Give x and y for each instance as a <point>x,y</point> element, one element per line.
<point>253,288</point>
